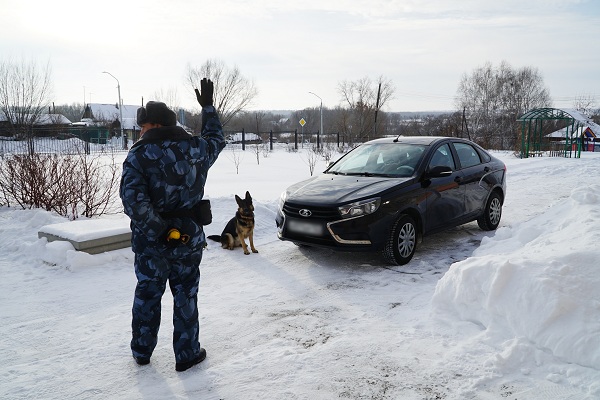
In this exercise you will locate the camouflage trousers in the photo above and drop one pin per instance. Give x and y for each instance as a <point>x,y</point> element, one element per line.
<point>183,275</point>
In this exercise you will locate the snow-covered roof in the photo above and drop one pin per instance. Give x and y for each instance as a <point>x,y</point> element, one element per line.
<point>248,137</point>
<point>44,119</point>
<point>110,112</point>
<point>583,125</point>
<point>53,119</point>
<point>586,130</point>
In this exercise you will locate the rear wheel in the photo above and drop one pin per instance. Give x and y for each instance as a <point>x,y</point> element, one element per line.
<point>490,219</point>
<point>402,242</point>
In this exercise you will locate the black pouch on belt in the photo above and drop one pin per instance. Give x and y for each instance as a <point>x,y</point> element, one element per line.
<point>200,213</point>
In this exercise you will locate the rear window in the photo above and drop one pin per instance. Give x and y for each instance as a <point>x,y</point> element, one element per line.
<point>467,155</point>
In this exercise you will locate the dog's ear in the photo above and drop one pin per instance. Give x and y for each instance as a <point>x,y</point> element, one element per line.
<point>239,200</point>
<point>248,198</point>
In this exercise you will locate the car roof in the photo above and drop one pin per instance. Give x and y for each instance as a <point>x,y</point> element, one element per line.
<point>423,140</point>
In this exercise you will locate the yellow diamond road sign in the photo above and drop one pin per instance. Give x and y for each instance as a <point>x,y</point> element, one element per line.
<point>302,122</point>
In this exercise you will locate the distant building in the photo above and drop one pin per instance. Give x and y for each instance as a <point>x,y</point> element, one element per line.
<point>585,131</point>
<point>44,124</point>
<point>98,114</point>
<point>247,137</point>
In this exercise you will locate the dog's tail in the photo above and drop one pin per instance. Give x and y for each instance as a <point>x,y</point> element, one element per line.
<point>216,238</point>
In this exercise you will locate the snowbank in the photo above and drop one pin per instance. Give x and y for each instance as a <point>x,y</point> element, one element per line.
<point>534,284</point>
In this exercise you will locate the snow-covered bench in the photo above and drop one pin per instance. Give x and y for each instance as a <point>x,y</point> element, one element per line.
<point>92,236</point>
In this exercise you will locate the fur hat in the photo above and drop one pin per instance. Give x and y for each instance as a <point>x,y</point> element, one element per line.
<point>156,112</point>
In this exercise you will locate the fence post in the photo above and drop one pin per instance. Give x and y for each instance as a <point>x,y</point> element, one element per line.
<point>295,139</point>
<point>87,138</point>
<point>243,139</point>
<point>271,140</point>
<point>30,145</point>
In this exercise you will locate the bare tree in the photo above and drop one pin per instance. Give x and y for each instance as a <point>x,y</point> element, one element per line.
<point>494,98</point>
<point>327,152</point>
<point>235,156</point>
<point>98,183</point>
<point>363,99</point>
<point>312,156</point>
<point>169,97</point>
<point>25,89</point>
<point>233,92</point>
<point>257,149</point>
<point>71,185</point>
<point>72,111</point>
<point>585,104</point>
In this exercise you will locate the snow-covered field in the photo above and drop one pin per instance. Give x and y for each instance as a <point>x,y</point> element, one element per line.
<point>513,314</point>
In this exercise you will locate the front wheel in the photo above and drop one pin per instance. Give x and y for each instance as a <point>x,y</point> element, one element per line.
<point>490,219</point>
<point>402,242</point>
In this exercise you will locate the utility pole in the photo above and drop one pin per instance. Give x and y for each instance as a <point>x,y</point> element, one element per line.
<point>321,131</point>
<point>120,105</point>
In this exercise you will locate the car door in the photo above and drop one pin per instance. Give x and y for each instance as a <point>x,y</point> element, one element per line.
<point>445,195</point>
<point>473,171</point>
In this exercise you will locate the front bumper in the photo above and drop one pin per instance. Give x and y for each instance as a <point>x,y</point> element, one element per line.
<point>362,233</point>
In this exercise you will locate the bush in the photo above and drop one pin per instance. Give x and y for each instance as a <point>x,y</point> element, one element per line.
<point>70,185</point>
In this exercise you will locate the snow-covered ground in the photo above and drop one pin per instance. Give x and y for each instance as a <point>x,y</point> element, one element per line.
<point>513,314</point>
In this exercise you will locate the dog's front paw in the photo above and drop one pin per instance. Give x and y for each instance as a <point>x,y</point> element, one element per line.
<point>254,251</point>
<point>246,252</point>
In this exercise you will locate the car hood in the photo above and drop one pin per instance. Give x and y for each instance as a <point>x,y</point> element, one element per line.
<point>328,189</point>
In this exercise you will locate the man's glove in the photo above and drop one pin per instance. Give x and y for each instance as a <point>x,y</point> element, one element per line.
<point>174,237</point>
<point>205,95</point>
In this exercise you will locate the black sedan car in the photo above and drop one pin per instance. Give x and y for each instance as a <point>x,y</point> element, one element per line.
<point>386,194</point>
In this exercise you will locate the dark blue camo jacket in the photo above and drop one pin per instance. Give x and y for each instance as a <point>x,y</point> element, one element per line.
<point>166,171</point>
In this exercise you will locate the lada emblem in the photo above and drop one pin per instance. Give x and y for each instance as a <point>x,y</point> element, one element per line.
<point>305,213</point>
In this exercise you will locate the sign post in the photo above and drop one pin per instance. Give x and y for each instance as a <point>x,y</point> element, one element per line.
<point>302,123</point>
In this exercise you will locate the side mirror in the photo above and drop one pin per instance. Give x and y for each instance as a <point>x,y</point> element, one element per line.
<point>439,171</point>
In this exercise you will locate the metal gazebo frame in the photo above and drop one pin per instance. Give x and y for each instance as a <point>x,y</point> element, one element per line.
<point>532,133</point>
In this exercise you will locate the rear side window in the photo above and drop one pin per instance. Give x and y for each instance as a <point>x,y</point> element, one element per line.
<point>467,155</point>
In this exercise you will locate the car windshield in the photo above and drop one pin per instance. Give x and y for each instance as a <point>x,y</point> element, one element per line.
<point>380,159</point>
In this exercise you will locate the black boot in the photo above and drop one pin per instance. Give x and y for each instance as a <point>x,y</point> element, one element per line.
<point>141,360</point>
<point>182,366</point>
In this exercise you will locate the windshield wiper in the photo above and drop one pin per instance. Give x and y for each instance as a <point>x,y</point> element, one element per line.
<point>367,174</point>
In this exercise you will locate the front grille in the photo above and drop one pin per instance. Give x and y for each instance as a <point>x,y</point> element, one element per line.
<point>325,213</point>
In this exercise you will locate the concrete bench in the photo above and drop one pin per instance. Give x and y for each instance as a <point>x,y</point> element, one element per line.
<point>92,236</point>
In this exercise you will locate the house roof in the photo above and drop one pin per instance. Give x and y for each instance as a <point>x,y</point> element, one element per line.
<point>587,131</point>
<point>45,119</point>
<point>110,112</point>
<point>53,119</point>
<point>585,126</point>
<point>580,123</point>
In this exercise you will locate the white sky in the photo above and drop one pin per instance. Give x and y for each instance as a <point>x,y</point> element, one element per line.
<point>290,48</point>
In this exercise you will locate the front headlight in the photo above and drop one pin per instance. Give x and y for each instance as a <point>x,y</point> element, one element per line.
<point>359,208</point>
<point>282,200</point>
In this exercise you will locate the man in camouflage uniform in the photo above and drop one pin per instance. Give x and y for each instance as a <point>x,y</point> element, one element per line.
<point>163,181</point>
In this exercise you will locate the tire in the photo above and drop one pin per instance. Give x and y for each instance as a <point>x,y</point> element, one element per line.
<point>402,243</point>
<point>490,219</point>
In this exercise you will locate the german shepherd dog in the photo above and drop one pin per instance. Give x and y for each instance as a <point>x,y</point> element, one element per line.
<point>239,227</point>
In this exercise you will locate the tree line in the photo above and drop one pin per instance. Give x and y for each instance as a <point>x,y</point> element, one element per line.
<point>488,102</point>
